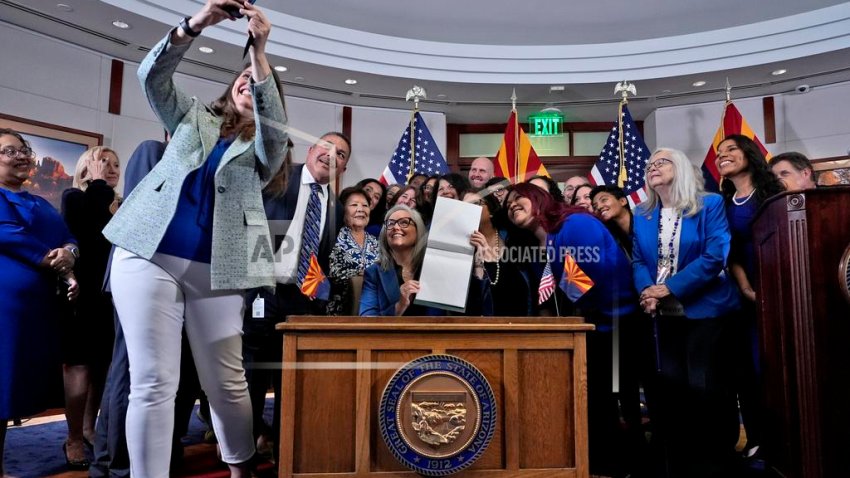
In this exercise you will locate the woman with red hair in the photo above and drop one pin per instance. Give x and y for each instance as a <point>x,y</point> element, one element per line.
<point>591,271</point>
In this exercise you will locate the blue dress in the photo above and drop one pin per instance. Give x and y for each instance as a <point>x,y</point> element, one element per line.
<point>29,343</point>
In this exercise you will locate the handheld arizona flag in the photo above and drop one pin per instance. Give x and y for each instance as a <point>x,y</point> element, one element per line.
<point>575,283</point>
<point>730,123</point>
<point>516,159</point>
<point>427,159</point>
<point>622,161</point>
<point>315,285</point>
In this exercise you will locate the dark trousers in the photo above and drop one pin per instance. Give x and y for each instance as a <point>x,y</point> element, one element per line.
<point>636,352</point>
<point>603,415</point>
<point>111,458</point>
<point>262,348</point>
<point>748,379</point>
<point>692,404</point>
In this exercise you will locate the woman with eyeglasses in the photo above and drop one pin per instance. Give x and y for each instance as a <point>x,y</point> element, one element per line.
<point>390,286</point>
<point>680,253</point>
<point>88,330</point>
<point>37,252</point>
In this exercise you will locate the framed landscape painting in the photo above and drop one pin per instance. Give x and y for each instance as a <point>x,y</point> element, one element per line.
<point>57,150</point>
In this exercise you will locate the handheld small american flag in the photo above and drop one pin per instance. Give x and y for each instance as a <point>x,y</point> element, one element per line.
<point>622,161</point>
<point>427,160</point>
<point>547,285</point>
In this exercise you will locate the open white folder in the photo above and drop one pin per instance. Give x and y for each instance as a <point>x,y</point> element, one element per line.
<point>447,267</point>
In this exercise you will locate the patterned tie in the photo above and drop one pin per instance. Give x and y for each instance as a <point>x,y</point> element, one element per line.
<point>310,234</point>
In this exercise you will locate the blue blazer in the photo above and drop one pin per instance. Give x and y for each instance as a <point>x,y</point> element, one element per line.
<point>700,283</point>
<point>381,292</point>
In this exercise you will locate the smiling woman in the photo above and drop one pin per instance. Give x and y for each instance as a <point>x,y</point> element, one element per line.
<point>182,237</point>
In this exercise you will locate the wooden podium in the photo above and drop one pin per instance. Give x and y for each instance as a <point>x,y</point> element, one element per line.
<point>335,370</point>
<point>804,327</point>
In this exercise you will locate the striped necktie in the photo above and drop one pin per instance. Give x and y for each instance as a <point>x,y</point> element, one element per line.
<point>310,233</point>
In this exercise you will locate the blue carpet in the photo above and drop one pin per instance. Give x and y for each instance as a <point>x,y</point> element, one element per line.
<point>36,451</point>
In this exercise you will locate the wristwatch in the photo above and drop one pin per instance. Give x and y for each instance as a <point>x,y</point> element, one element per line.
<point>184,25</point>
<point>74,250</point>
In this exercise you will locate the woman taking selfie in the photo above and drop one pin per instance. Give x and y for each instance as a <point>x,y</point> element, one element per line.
<point>182,240</point>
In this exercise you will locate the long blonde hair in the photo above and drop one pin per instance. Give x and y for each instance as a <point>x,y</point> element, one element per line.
<point>82,170</point>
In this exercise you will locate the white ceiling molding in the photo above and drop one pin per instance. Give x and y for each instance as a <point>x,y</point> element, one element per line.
<point>795,36</point>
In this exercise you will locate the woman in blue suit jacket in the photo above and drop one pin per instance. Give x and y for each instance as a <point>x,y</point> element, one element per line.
<point>389,286</point>
<point>681,245</point>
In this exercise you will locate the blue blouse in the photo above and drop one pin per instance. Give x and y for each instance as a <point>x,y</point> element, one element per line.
<point>189,234</point>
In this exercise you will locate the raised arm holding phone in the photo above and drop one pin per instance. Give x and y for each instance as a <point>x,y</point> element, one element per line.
<point>182,256</point>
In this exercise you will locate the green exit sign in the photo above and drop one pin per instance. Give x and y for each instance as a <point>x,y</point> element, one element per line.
<point>546,124</point>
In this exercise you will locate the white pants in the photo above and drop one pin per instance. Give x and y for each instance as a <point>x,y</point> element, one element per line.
<point>155,299</point>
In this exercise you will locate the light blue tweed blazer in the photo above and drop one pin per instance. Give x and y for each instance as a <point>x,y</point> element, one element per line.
<point>238,218</point>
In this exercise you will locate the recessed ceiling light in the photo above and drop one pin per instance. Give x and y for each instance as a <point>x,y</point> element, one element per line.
<point>666,91</point>
<point>121,25</point>
<point>64,7</point>
<point>699,83</point>
<point>299,78</point>
<point>206,49</point>
<point>351,81</point>
<point>441,96</point>
<point>281,68</point>
<point>778,72</point>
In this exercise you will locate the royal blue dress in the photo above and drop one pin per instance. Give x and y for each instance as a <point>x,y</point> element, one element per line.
<point>29,320</point>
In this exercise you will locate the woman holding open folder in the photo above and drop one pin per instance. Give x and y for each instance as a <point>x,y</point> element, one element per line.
<point>391,285</point>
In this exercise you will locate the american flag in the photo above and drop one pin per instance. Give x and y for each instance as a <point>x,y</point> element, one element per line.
<point>635,155</point>
<point>547,285</point>
<point>428,160</point>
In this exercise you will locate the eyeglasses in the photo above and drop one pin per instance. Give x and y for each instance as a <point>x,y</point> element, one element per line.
<point>13,153</point>
<point>402,223</point>
<point>657,164</point>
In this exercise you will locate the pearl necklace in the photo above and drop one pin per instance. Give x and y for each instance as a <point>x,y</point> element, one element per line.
<point>498,256</point>
<point>743,201</point>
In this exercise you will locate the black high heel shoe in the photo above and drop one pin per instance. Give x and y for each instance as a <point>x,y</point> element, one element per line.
<point>80,465</point>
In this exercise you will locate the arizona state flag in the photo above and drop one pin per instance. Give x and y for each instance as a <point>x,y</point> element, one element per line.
<point>516,159</point>
<point>730,123</point>
<point>574,282</point>
<point>315,285</point>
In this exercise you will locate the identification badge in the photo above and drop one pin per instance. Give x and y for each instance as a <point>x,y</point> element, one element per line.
<point>258,309</point>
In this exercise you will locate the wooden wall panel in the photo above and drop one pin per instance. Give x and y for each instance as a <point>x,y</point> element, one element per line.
<point>546,405</point>
<point>327,397</point>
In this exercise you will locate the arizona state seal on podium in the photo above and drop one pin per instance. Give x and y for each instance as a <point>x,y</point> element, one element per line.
<point>437,415</point>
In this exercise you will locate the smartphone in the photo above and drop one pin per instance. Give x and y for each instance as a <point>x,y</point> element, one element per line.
<point>234,12</point>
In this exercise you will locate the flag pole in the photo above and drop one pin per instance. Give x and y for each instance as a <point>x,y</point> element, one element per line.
<point>416,93</point>
<point>516,134</point>
<point>624,88</point>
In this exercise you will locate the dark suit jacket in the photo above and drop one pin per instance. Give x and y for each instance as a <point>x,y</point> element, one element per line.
<point>283,209</point>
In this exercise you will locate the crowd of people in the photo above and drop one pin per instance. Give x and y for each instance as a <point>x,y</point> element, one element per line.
<point>167,274</point>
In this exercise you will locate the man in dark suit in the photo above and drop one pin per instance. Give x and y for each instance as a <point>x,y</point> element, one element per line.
<point>287,212</point>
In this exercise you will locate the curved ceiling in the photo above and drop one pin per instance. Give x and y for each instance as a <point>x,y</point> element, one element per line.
<point>628,45</point>
<point>539,22</point>
<point>446,46</point>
